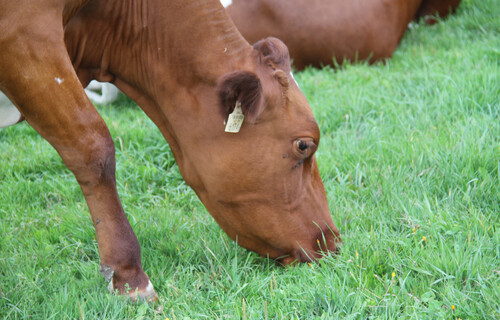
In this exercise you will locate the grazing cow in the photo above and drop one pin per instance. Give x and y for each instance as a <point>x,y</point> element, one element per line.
<point>319,32</point>
<point>240,129</point>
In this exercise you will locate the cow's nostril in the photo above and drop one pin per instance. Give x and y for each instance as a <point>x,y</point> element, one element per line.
<point>327,241</point>
<point>297,256</point>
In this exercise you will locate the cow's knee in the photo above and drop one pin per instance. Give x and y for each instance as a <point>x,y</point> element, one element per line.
<point>94,164</point>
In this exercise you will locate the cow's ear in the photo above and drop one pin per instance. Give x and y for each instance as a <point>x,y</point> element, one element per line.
<point>274,53</point>
<point>243,87</point>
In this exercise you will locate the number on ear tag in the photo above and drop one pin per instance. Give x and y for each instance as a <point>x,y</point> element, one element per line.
<point>235,119</point>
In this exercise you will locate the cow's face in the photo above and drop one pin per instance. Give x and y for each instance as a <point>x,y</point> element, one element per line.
<point>262,183</point>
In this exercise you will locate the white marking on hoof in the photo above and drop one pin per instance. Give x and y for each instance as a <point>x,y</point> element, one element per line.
<point>106,272</point>
<point>226,3</point>
<point>150,291</point>
<point>9,114</point>
<point>110,287</point>
<point>147,294</point>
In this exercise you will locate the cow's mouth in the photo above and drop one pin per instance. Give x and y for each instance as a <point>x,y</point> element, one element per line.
<point>326,242</point>
<point>299,256</point>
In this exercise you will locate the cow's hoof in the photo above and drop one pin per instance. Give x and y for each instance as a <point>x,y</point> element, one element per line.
<point>147,294</point>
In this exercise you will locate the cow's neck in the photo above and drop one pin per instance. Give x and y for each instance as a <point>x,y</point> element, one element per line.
<point>137,39</point>
<point>166,55</point>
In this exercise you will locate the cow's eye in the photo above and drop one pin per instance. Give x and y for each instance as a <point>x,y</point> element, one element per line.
<point>304,147</point>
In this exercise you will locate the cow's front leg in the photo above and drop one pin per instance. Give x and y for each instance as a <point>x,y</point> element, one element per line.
<point>38,77</point>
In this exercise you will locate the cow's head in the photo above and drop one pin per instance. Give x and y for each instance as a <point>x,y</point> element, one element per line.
<point>262,183</point>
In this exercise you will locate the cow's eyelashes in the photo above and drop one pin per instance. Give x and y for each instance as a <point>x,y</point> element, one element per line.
<point>298,163</point>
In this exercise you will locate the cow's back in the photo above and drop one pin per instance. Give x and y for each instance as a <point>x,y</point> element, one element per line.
<point>315,30</point>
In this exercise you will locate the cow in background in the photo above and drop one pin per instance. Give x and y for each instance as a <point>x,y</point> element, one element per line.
<point>327,32</point>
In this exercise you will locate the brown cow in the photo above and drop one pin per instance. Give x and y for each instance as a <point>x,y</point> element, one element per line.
<point>317,32</point>
<point>188,68</point>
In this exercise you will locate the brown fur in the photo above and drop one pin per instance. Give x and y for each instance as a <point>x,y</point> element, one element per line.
<point>243,87</point>
<point>327,32</point>
<point>430,10</point>
<point>274,53</point>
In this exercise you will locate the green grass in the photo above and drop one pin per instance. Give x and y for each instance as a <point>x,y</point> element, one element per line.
<point>410,150</point>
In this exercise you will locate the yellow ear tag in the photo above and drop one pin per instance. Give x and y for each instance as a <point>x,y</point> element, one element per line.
<point>235,119</point>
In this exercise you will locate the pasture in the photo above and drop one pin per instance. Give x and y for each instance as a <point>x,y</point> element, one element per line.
<point>410,158</point>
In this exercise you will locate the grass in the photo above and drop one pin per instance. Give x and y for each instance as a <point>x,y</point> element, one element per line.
<point>410,158</point>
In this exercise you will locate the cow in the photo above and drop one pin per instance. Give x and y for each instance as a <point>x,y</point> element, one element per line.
<point>241,131</point>
<point>320,32</point>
